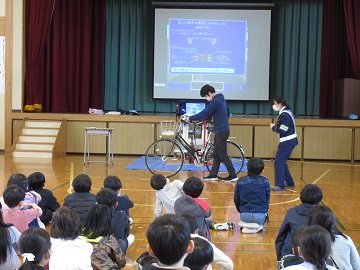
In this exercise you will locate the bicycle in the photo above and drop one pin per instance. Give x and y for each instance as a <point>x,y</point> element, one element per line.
<point>167,155</point>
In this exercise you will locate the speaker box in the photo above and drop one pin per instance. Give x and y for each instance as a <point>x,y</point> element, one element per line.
<point>346,97</point>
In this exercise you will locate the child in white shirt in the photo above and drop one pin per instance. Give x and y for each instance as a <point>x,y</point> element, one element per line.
<point>167,193</point>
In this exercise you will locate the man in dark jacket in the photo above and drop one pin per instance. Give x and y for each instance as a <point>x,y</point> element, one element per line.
<point>310,196</point>
<point>218,109</point>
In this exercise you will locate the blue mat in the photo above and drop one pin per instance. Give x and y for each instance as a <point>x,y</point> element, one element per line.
<point>139,164</point>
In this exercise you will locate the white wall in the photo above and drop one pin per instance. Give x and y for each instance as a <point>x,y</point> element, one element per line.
<point>2,95</point>
<point>2,8</point>
<point>2,92</point>
<point>17,55</point>
<point>17,65</point>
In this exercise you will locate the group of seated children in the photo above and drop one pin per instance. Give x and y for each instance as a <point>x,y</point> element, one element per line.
<point>251,198</point>
<point>310,221</point>
<point>183,199</point>
<point>88,225</point>
<point>96,227</point>
<point>177,249</point>
<point>180,248</point>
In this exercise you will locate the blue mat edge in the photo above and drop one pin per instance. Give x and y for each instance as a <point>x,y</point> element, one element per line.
<point>139,164</point>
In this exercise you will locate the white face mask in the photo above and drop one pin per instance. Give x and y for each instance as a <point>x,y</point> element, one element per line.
<point>209,98</point>
<point>276,108</point>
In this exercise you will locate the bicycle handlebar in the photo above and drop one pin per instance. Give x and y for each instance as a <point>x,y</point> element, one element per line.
<point>184,118</point>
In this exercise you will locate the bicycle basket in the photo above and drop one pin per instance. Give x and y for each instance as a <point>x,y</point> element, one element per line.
<point>168,128</point>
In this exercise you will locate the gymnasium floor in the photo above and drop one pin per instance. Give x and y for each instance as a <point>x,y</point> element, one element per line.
<point>340,182</point>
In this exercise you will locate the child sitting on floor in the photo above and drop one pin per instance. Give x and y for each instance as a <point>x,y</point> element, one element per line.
<point>34,245</point>
<point>175,243</point>
<point>220,258</point>
<point>252,197</point>
<point>68,251</point>
<point>315,248</point>
<point>20,214</point>
<point>192,205</point>
<point>119,220</point>
<point>107,253</point>
<point>9,236</point>
<point>166,193</point>
<point>81,200</point>
<point>295,258</point>
<point>124,203</point>
<point>48,203</point>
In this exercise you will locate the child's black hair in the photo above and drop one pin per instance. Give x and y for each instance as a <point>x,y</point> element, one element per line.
<point>82,183</point>
<point>323,216</point>
<point>98,221</point>
<point>66,224</point>
<point>18,179</point>
<point>36,180</point>
<point>193,187</point>
<point>13,195</point>
<point>202,255</point>
<point>113,182</point>
<point>158,181</point>
<point>255,166</point>
<point>106,196</point>
<point>315,246</point>
<point>169,238</point>
<point>35,241</point>
<point>311,194</point>
<point>5,239</point>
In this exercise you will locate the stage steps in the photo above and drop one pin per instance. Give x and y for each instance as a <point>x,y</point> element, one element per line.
<point>44,139</point>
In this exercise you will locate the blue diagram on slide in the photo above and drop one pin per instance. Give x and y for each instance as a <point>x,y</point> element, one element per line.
<point>207,46</point>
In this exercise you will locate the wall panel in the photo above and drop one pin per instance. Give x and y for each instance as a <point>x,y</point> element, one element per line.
<point>327,143</point>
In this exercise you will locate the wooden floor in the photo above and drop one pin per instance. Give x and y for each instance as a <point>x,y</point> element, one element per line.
<point>340,183</point>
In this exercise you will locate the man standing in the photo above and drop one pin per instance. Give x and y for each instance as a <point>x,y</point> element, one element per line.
<point>218,109</point>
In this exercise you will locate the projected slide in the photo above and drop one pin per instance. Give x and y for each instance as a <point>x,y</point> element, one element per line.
<point>228,49</point>
<point>203,47</point>
<point>200,46</point>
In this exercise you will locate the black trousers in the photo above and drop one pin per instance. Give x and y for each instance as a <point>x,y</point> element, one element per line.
<point>220,154</point>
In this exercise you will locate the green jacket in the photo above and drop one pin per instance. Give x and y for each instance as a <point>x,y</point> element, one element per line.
<point>107,253</point>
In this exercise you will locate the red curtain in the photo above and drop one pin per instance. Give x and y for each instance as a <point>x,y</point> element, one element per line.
<point>71,72</point>
<point>352,19</point>
<point>38,18</point>
<point>335,55</point>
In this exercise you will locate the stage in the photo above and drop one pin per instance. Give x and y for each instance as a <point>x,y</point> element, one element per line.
<point>319,139</point>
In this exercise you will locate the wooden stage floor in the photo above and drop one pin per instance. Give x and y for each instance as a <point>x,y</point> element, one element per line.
<point>340,183</point>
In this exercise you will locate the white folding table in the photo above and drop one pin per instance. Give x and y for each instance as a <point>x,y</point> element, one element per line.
<point>94,131</point>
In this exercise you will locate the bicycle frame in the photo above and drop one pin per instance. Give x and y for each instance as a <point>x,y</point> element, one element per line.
<point>191,148</point>
<point>169,154</point>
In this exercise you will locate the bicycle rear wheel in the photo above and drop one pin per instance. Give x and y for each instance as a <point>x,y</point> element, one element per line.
<point>164,157</point>
<point>236,155</point>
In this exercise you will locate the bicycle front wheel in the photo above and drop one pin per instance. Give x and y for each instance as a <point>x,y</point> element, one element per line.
<point>164,157</point>
<point>235,153</point>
